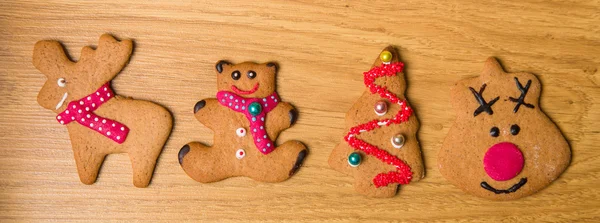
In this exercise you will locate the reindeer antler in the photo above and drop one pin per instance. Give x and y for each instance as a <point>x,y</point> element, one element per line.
<point>483,105</point>
<point>50,58</point>
<point>107,59</point>
<point>102,64</point>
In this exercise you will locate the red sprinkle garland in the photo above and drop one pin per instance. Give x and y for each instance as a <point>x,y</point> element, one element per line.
<point>403,174</point>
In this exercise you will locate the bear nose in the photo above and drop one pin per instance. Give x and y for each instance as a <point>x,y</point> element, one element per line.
<point>503,161</point>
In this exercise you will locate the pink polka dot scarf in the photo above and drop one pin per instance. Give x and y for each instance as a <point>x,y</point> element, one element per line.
<point>82,111</point>
<point>257,122</point>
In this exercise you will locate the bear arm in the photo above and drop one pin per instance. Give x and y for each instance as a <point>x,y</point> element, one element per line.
<point>279,119</point>
<point>212,113</point>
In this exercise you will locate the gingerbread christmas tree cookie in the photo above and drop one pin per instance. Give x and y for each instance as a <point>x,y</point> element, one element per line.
<point>247,115</point>
<point>380,148</point>
<point>501,146</point>
<point>99,121</point>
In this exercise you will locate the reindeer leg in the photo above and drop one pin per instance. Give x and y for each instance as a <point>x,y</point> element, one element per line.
<point>280,164</point>
<point>143,164</point>
<point>88,162</point>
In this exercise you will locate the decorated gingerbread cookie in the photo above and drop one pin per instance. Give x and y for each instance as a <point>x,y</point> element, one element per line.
<point>246,116</point>
<point>99,121</point>
<point>501,146</point>
<point>380,148</point>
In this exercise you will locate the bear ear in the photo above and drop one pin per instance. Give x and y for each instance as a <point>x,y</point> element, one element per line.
<point>273,65</point>
<point>219,65</point>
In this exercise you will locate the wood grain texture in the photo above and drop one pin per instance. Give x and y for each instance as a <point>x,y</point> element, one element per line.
<point>322,48</point>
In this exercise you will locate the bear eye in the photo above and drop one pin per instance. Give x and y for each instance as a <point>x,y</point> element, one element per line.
<point>515,129</point>
<point>494,132</point>
<point>61,82</point>
<point>236,75</point>
<point>251,74</point>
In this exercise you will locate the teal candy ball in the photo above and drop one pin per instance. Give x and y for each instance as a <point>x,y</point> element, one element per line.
<point>254,108</point>
<point>354,159</point>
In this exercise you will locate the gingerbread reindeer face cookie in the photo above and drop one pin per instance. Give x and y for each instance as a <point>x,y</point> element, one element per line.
<point>380,148</point>
<point>501,146</point>
<point>100,122</point>
<point>247,115</point>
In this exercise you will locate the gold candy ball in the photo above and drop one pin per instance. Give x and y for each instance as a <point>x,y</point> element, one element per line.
<point>385,56</point>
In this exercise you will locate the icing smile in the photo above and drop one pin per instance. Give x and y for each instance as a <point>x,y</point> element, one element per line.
<point>62,101</point>
<point>238,91</point>
<point>512,189</point>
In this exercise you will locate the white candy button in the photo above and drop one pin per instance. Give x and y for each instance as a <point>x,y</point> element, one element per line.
<point>241,132</point>
<point>240,153</point>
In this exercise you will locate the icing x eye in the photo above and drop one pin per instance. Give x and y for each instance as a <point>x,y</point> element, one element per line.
<point>236,75</point>
<point>61,82</point>
<point>515,129</point>
<point>251,74</point>
<point>494,131</point>
<point>521,100</point>
<point>483,105</point>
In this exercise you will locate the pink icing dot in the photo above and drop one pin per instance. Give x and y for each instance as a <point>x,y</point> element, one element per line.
<point>503,161</point>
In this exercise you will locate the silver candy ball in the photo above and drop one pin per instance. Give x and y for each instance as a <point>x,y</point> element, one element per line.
<point>398,141</point>
<point>381,108</point>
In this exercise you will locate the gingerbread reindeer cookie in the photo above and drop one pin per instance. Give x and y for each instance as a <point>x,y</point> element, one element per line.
<point>380,148</point>
<point>246,116</point>
<point>501,146</point>
<point>99,121</point>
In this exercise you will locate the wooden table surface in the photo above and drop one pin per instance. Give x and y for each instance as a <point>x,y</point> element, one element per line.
<point>322,49</point>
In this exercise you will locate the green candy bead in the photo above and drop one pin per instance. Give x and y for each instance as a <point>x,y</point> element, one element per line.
<point>354,159</point>
<point>254,108</point>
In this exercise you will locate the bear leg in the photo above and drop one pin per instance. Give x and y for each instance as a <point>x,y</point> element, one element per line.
<point>203,163</point>
<point>280,164</point>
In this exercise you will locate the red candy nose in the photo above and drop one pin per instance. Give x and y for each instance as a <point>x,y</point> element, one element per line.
<point>503,161</point>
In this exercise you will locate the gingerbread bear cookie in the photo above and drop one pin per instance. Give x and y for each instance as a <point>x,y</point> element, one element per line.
<point>246,116</point>
<point>501,146</point>
<point>380,148</point>
<point>98,121</point>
